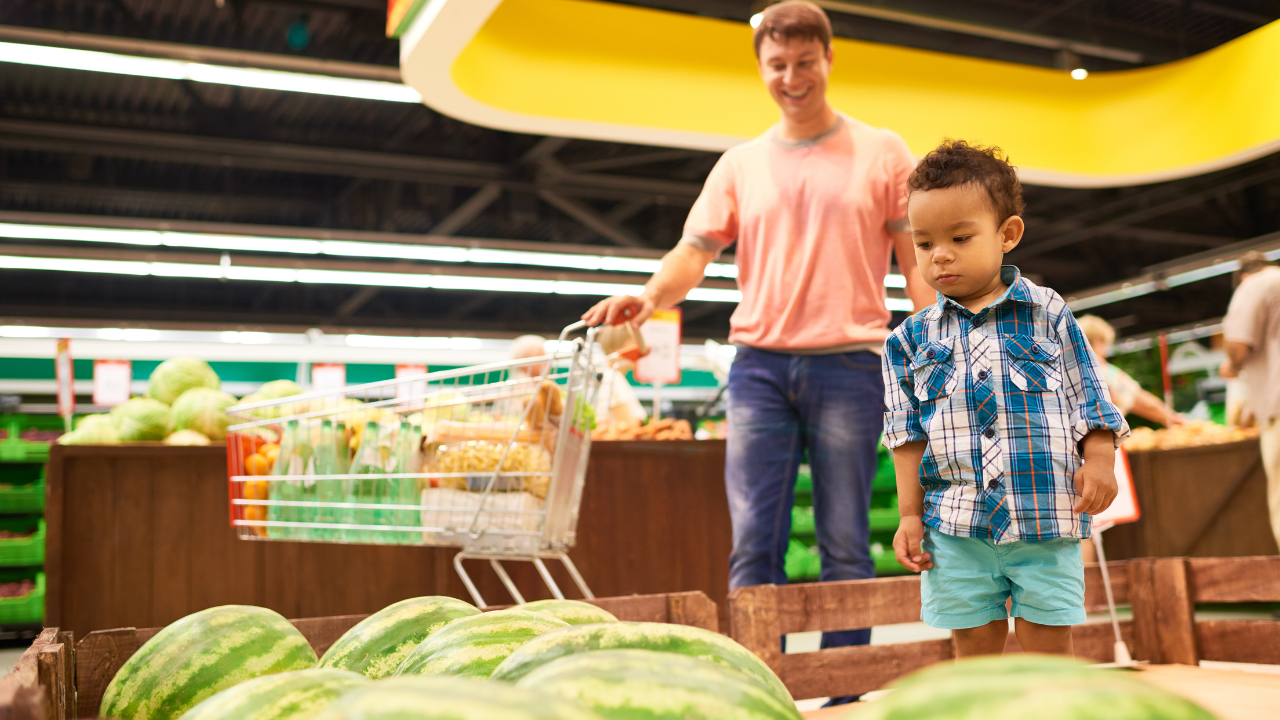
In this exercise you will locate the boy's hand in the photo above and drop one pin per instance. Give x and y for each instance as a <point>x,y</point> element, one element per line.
<point>1096,484</point>
<point>907,544</point>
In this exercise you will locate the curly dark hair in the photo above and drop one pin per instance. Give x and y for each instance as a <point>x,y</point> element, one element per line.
<point>956,162</point>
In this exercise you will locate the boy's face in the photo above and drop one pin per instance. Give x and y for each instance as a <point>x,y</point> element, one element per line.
<point>960,243</point>
<point>796,72</point>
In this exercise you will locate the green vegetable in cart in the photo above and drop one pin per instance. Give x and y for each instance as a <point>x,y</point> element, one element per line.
<point>296,695</point>
<point>142,419</point>
<point>200,655</point>
<point>378,644</point>
<point>1022,686</point>
<point>187,437</point>
<point>632,684</point>
<point>574,612</point>
<point>203,410</point>
<point>474,646</point>
<point>177,375</point>
<point>450,698</point>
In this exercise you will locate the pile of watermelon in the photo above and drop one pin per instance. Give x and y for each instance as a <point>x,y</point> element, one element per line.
<point>437,658</point>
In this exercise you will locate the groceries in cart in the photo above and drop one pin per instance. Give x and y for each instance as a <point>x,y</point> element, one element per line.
<point>473,454</point>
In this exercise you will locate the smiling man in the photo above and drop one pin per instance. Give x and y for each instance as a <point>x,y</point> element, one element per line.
<point>816,206</point>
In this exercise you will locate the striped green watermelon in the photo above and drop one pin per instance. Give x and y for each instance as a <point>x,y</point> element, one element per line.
<point>450,698</point>
<point>473,646</point>
<point>649,685</point>
<point>1019,686</point>
<point>680,639</point>
<point>296,695</point>
<point>198,656</point>
<point>378,645</point>
<point>571,611</point>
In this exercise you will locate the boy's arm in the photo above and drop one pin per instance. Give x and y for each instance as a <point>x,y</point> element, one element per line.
<point>907,541</point>
<point>905,437</point>
<point>1096,424</point>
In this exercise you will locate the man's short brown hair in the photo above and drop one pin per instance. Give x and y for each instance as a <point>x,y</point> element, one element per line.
<point>1250,263</point>
<point>793,20</point>
<point>956,162</point>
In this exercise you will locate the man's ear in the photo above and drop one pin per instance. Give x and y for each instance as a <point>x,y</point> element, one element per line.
<point>831,55</point>
<point>1011,233</point>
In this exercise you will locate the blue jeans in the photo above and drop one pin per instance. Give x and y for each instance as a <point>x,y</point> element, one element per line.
<point>779,406</point>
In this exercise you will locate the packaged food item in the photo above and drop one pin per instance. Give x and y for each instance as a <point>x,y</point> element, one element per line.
<point>330,457</point>
<point>371,459</point>
<point>469,465</point>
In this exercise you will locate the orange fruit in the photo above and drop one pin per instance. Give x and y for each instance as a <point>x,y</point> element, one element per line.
<point>257,464</point>
<point>270,451</point>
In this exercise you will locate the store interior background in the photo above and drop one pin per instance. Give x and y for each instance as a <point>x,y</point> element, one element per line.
<point>119,151</point>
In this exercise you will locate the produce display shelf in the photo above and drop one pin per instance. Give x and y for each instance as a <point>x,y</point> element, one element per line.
<point>22,552</point>
<point>25,610</point>
<point>21,498</point>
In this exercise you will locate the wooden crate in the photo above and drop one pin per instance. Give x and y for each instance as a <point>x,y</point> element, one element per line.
<point>54,680</point>
<point>1161,591</point>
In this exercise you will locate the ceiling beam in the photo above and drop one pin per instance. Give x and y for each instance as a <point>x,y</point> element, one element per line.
<point>468,210</point>
<point>198,53</point>
<point>590,218</point>
<point>1172,237</point>
<point>283,157</point>
<point>625,161</point>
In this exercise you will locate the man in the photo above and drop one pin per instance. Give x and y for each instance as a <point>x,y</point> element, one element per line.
<point>1252,332</point>
<point>816,205</point>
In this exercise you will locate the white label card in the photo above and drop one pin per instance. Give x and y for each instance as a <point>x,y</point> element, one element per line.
<point>111,381</point>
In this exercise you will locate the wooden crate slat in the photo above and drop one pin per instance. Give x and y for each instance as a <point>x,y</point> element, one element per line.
<point>1095,594</point>
<point>1235,579</point>
<point>848,604</point>
<point>325,631</point>
<point>99,655</point>
<point>857,669</point>
<point>1244,641</point>
<point>21,695</point>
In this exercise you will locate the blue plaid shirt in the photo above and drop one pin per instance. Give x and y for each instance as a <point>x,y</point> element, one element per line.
<point>1002,397</point>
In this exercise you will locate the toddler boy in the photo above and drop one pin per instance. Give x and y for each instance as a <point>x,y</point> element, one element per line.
<point>1003,436</point>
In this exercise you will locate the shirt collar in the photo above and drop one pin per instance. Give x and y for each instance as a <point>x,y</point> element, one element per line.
<point>1018,291</point>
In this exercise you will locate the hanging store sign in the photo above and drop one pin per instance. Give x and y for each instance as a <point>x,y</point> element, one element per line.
<point>405,391</point>
<point>111,381</point>
<point>662,333</point>
<point>64,371</point>
<point>328,377</point>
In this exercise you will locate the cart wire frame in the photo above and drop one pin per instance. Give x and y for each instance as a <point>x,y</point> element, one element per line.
<point>475,457</point>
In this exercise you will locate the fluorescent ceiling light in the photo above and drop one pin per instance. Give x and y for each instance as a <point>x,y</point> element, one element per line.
<point>400,342</point>
<point>23,331</point>
<point>899,304</point>
<point>95,61</point>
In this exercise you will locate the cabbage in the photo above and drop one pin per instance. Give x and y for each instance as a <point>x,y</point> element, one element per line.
<point>277,389</point>
<point>186,437</point>
<point>178,375</point>
<point>90,420</point>
<point>142,419</point>
<point>204,410</point>
<point>98,432</point>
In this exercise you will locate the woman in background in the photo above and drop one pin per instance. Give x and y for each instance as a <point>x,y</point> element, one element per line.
<point>1126,393</point>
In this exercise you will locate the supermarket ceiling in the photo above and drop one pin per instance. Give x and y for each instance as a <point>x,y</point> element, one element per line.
<point>220,162</point>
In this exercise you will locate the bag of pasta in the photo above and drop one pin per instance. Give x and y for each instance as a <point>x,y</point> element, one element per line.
<point>470,465</point>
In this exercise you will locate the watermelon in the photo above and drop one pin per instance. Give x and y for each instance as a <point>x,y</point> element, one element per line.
<point>680,639</point>
<point>650,685</point>
<point>1028,686</point>
<point>571,611</point>
<point>296,695</point>
<point>377,646</point>
<point>450,698</point>
<point>473,646</point>
<point>200,655</point>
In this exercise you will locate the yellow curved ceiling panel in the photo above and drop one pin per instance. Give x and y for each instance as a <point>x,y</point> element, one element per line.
<point>598,70</point>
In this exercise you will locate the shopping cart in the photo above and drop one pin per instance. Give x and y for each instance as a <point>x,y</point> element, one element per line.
<point>489,458</point>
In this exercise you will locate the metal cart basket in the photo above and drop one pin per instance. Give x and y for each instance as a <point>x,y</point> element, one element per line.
<point>490,459</point>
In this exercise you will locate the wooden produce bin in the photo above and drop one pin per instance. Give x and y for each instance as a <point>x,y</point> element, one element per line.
<point>1206,501</point>
<point>139,536</point>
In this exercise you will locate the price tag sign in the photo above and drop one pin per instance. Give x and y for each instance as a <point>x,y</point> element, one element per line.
<point>327,377</point>
<point>64,371</point>
<point>662,334</point>
<point>405,391</point>
<point>1124,509</point>
<point>111,381</point>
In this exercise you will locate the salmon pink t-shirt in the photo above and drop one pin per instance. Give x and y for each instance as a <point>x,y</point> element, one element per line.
<point>813,223</point>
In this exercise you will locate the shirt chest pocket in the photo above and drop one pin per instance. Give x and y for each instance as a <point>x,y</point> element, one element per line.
<point>1034,365</point>
<point>934,370</point>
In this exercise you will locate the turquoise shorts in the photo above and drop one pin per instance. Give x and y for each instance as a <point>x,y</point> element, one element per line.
<point>972,578</point>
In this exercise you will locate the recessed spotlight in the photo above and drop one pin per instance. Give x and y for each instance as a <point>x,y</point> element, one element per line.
<point>755,20</point>
<point>1079,74</point>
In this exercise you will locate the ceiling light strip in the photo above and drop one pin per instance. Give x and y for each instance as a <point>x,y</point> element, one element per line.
<point>167,69</point>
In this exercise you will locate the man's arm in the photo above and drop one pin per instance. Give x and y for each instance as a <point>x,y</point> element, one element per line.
<point>922,296</point>
<point>1153,408</point>
<point>1237,353</point>
<point>682,269</point>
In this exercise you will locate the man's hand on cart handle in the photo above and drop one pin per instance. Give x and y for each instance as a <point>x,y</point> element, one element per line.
<point>619,309</point>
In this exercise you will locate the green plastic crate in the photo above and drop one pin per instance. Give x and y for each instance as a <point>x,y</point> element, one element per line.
<point>22,552</point>
<point>22,497</point>
<point>23,610</point>
<point>802,522</point>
